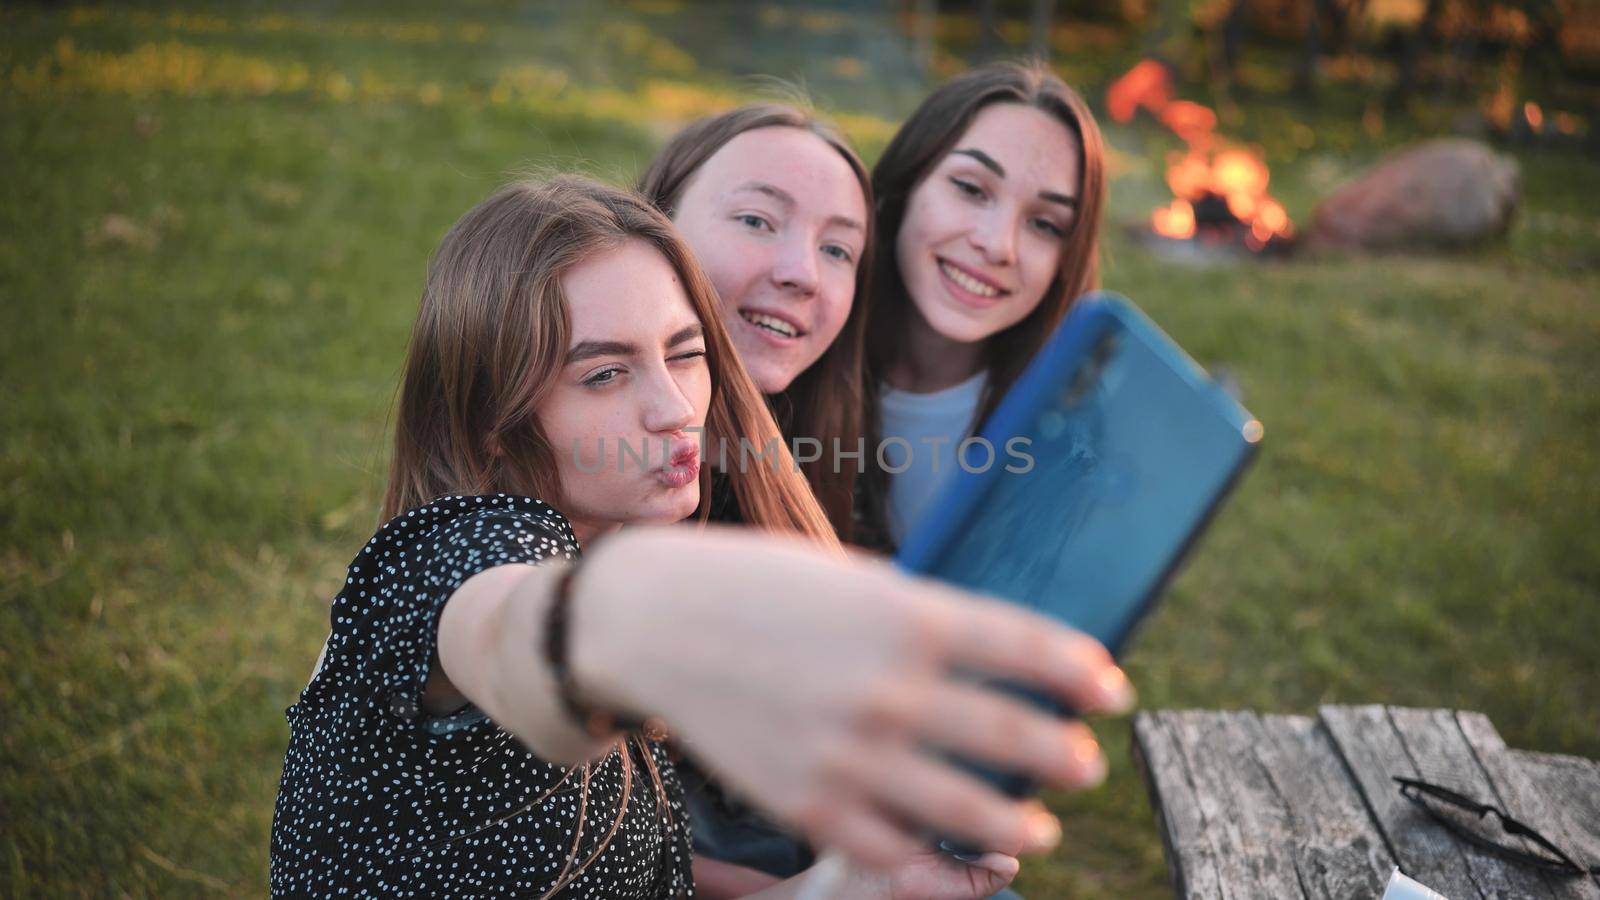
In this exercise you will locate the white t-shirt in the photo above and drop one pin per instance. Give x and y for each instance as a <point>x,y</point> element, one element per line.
<point>921,433</point>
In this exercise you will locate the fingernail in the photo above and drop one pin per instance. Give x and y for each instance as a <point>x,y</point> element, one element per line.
<point>1091,762</point>
<point>1117,691</point>
<point>1044,832</point>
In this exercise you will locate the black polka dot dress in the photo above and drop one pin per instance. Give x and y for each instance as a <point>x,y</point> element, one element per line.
<point>379,799</point>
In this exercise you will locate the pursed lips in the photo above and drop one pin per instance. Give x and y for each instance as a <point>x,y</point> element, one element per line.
<point>682,466</point>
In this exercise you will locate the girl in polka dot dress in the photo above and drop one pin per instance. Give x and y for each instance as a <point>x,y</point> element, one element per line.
<point>471,728</point>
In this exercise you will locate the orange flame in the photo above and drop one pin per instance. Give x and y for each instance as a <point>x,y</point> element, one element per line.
<point>1534,114</point>
<point>1189,120</point>
<point>1174,221</point>
<point>1238,173</point>
<point>1238,176</point>
<point>1146,85</point>
<point>1188,174</point>
<point>1270,220</point>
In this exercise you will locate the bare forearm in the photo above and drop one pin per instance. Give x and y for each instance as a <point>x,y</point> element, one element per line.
<point>718,880</point>
<point>812,685</point>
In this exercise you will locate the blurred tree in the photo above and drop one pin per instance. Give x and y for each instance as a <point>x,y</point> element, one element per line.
<point>1041,22</point>
<point>1412,47</point>
<point>988,29</point>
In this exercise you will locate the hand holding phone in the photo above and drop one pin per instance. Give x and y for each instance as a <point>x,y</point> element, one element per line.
<point>1132,448</point>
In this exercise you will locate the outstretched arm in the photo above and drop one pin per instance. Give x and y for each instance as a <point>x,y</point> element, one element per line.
<point>823,689</point>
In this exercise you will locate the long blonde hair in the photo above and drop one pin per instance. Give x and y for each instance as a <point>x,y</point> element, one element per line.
<point>489,341</point>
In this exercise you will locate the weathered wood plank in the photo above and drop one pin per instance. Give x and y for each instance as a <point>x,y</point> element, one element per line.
<point>1191,857</point>
<point>1442,755</point>
<point>1372,751</point>
<point>1289,806</point>
<point>1266,821</point>
<point>1574,783</point>
<point>1337,850</point>
<point>1247,822</point>
<point>1519,796</point>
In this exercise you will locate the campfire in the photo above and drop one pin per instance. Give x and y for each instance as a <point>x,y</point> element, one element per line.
<point>1220,199</point>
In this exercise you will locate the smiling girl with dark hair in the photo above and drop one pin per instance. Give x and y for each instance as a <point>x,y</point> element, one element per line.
<point>989,203</point>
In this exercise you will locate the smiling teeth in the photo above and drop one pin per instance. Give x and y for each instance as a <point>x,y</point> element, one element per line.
<point>967,282</point>
<point>770,323</point>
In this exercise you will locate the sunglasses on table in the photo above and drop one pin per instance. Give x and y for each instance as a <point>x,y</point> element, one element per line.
<point>1431,797</point>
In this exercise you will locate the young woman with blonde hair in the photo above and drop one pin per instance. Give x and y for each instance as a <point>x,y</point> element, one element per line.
<point>473,724</point>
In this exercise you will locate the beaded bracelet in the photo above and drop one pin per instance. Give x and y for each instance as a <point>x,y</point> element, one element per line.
<point>597,722</point>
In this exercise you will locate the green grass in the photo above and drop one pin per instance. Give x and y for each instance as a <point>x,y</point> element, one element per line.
<point>205,288</point>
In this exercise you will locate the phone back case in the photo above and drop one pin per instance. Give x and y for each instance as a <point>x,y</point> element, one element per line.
<point>1132,447</point>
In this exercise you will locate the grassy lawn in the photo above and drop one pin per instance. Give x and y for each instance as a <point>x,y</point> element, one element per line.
<point>213,238</point>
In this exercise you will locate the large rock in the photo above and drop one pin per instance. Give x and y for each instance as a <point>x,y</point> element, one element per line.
<point>1439,194</point>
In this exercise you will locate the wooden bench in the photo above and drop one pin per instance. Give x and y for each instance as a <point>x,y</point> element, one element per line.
<point>1293,806</point>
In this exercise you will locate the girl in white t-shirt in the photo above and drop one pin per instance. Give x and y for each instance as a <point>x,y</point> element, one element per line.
<point>988,201</point>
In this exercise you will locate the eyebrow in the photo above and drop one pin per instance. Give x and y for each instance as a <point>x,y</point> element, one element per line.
<point>771,190</point>
<point>1063,199</point>
<point>994,166</point>
<point>590,349</point>
<point>787,199</point>
<point>686,333</point>
<point>987,160</point>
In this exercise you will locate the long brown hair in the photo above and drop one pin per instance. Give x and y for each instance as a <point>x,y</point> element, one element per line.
<point>922,141</point>
<point>491,335</point>
<point>488,344</point>
<point>825,401</point>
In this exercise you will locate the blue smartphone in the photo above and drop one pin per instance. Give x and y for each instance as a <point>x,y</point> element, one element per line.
<point>1111,453</point>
